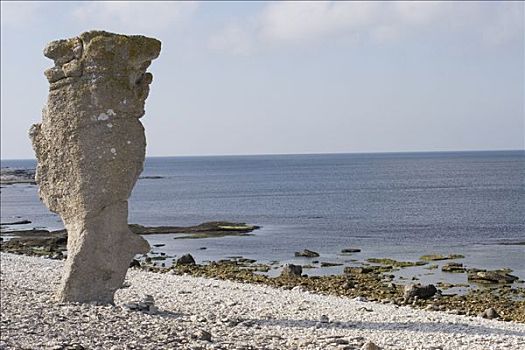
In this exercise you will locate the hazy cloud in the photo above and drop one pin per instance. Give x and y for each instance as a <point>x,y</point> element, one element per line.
<point>300,23</point>
<point>150,16</point>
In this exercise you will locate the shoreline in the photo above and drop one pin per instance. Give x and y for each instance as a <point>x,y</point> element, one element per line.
<point>235,315</point>
<point>381,280</point>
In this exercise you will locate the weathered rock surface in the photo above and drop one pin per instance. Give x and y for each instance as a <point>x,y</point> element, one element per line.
<point>419,291</point>
<point>453,267</point>
<point>490,313</point>
<point>496,276</point>
<point>186,259</point>
<point>291,270</point>
<point>307,253</point>
<point>90,149</point>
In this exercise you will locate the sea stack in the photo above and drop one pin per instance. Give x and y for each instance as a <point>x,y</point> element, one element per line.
<point>90,149</point>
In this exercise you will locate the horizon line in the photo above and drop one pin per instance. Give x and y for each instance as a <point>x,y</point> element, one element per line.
<point>311,153</point>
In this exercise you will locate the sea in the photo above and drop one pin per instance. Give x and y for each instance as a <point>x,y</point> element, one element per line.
<point>389,205</point>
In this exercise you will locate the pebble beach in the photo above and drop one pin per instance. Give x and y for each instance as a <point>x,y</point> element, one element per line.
<point>199,313</point>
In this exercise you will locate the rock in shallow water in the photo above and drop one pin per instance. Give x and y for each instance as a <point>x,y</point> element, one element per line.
<point>186,259</point>
<point>483,276</point>
<point>90,149</point>
<point>350,250</point>
<point>307,254</point>
<point>453,267</point>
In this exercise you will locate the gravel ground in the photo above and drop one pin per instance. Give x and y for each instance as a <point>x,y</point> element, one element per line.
<point>198,313</point>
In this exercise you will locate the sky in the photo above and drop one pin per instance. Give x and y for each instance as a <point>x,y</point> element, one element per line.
<point>293,77</point>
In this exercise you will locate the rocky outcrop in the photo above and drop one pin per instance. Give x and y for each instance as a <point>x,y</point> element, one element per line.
<point>90,150</point>
<point>491,277</point>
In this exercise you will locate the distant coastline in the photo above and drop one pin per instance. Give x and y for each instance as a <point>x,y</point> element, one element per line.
<point>317,154</point>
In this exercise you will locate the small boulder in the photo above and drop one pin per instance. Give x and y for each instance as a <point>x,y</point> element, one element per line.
<point>490,313</point>
<point>134,263</point>
<point>148,300</point>
<point>307,254</point>
<point>186,259</point>
<point>202,335</point>
<point>147,304</point>
<point>419,291</point>
<point>291,270</point>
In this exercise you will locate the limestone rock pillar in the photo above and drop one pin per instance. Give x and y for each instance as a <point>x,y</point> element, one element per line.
<point>90,149</point>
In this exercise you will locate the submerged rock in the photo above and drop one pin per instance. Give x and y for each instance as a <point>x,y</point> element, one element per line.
<point>483,276</point>
<point>360,270</point>
<point>453,267</point>
<point>204,230</point>
<point>395,263</point>
<point>19,222</point>
<point>307,253</point>
<point>329,264</point>
<point>350,250</point>
<point>90,150</point>
<point>436,257</point>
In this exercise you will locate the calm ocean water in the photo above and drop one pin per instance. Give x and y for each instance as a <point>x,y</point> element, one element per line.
<point>389,205</point>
